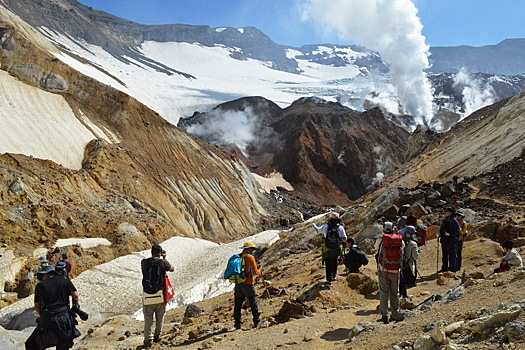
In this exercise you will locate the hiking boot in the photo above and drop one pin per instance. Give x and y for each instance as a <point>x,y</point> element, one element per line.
<point>237,326</point>
<point>156,338</point>
<point>398,318</point>
<point>147,343</point>
<point>383,319</point>
<point>442,270</point>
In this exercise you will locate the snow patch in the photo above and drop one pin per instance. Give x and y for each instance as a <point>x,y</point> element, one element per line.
<point>83,242</point>
<point>41,124</point>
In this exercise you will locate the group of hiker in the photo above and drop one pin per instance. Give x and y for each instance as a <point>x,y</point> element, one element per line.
<point>398,249</point>
<point>63,266</point>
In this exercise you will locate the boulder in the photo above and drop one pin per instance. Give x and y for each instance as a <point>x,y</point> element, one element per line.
<point>391,212</point>
<point>362,283</point>
<point>478,325</point>
<point>416,210</point>
<point>19,320</point>
<point>515,332</point>
<point>488,228</point>
<point>292,309</point>
<point>425,342</point>
<point>454,327</point>
<point>192,311</point>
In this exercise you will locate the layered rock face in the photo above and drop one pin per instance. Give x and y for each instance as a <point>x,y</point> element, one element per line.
<point>329,153</point>
<point>138,169</point>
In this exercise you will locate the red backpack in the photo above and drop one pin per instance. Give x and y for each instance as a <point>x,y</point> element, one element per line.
<point>391,254</point>
<point>421,231</point>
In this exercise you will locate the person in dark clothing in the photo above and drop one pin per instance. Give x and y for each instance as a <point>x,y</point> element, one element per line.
<point>354,259</point>
<point>333,232</point>
<point>56,324</point>
<point>448,237</point>
<point>157,309</point>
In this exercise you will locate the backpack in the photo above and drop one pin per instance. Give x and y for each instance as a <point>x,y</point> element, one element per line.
<point>235,269</point>
<point>332,240</point>
<point>153,277</point>
<point>391,255</point>
<point>60,268</point>
<point>421,232</point>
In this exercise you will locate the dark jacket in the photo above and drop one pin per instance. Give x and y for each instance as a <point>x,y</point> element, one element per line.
<point>449,229</point>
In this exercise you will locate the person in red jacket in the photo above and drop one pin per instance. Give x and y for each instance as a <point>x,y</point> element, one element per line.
<point>246,289</point>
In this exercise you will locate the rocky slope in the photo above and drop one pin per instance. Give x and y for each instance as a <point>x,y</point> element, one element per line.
<point>327,152</point>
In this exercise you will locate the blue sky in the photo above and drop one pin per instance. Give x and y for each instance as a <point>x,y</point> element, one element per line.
<point>445,22</point>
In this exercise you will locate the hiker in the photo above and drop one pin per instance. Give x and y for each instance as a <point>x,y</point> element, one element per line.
<point>355,258</point>
<point>401,222</point>
<point>64,266</point>
<point>246,289</point>
<point>56,324</point>
<point>334,235</point>
<point>410,256</point>
<point>43,263</point>
<point>389,259</point>
<point>455,179</point>
<point>448,237</point>
<point>463,232</point>
<point>410,220</point>
<point>153,272</point>
<point>511,258</point>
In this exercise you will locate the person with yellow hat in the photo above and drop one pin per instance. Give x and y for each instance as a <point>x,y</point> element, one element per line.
<point>246,289</point>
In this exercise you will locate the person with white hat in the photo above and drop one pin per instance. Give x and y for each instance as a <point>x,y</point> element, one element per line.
<point>43,262</point>
<point>246,289</point>
<point>334,237</point>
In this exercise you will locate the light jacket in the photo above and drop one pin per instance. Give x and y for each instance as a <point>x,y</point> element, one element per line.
<point>250,267</point>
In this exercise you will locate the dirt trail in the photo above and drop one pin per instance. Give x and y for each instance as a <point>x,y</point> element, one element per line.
<point>475,194</point>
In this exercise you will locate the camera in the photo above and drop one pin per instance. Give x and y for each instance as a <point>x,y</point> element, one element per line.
<point>75,309</point>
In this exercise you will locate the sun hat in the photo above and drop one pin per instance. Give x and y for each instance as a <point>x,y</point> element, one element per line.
<point>388,226</point>
<point>460,213</point>
<point>46,269</point>
<point>333,215</point>
<point>449,209</point>
<point>42,259</point>
<point>248,245</point>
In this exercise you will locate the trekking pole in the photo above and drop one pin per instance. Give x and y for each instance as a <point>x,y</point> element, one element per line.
<point>424,301</point>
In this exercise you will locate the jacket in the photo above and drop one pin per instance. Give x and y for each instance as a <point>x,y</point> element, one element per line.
<point>250,267</point>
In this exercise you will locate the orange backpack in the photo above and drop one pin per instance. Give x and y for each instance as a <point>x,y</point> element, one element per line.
<point>390,252</point>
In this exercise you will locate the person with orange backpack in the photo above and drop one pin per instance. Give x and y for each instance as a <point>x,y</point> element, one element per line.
<point>389,259</point>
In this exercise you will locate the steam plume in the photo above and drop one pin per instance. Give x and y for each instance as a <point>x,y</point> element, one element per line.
<point>392,28</point>
<point>475,93</point>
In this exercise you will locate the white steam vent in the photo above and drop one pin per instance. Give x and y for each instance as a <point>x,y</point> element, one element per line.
<point>391,28</point>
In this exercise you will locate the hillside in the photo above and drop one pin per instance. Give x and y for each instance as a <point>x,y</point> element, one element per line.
<point>328,153</point>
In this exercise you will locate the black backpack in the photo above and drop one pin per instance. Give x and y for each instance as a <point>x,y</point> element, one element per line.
<point>60,268</point>
<point>153,276</point>
<point>332,240</point>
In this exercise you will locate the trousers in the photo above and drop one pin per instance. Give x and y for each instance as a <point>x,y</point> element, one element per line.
<point>241,292</point>
<point>149,311</point>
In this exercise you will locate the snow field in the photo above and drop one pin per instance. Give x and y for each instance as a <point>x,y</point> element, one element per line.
<point>40,124</point>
